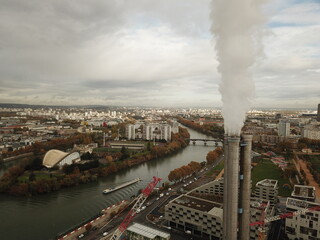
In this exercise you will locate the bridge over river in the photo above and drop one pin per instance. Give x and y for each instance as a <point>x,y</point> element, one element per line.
<point>204,140</point>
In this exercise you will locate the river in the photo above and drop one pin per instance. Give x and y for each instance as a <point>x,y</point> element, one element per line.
<point>43,217</point>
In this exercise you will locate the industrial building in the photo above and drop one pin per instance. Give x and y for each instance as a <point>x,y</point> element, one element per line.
<point>138,231</point>
<point>224,208</point>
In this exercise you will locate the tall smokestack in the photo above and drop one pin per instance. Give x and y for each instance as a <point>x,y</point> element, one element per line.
<point>225,185</point>
<point>232,175</point>
<point>245,187</point>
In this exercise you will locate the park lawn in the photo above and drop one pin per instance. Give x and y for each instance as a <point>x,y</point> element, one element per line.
<point>265,169</point>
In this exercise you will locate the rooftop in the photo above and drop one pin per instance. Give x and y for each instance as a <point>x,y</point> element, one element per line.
<point>303,191</point>
<point>293,202</point>
<point>196,203</point>
<point>258,203</point>
<point>268,183</point>
<point>147,231</point>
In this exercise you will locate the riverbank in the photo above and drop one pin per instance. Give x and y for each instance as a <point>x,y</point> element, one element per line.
<point>19,182</point>
<point>212,130</point>
<point>61,210</point>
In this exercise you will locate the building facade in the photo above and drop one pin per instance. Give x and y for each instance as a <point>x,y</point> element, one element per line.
<point>153,131</point>
<point>267,189</point>
<point>311,132</point>
<point>304,226</point>
<point>284,128</point>
<point>200,212</point>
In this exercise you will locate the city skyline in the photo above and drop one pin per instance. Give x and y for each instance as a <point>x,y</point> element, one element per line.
<point>148,54</point>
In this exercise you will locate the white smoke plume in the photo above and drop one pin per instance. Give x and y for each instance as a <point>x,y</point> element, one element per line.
<point>236,26</point>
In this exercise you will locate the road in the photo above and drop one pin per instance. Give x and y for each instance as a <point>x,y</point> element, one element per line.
<point>155,203</point>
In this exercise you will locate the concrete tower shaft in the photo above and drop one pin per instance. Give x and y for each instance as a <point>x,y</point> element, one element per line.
<point>225,184</point>
<point>245,187</point>
<point>232,176</point>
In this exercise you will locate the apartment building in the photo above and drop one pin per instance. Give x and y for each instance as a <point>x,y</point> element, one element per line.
<point>267,189</point>
<point>153,131</point>
<point>304,225</point>
<point>303,192</point>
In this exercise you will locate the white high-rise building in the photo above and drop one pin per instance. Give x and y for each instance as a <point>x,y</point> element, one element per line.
<point>284,129</point>
<point>150,132</point>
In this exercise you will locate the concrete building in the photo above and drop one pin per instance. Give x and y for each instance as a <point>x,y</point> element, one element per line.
<point>307,193</point>
<point>204,218</point>
<point>143,131</point>
<point>130,131</point>
<point>175,127</point>
<point>304,226</point>
<point>318,114</point>
<point>284,128</point>
<point>267,189</point>
<point>311,131</point>
<point>138,231</point>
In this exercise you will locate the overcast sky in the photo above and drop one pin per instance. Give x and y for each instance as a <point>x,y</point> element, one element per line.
<point>148,53</point>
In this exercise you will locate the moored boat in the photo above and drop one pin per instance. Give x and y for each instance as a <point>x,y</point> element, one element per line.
<point>109,190</point>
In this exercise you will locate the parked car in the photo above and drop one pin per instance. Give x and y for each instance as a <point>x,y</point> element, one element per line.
<point>81,236</point>
<point>105,234</point>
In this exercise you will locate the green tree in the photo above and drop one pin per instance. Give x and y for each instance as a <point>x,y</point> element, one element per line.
<point>32,177</point>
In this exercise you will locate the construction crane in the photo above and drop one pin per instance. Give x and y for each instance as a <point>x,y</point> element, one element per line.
<point>285,215</point>
<point>133,211</point>
<point>264,220</point>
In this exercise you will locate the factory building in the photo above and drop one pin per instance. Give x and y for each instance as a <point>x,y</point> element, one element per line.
<point>224,209</point>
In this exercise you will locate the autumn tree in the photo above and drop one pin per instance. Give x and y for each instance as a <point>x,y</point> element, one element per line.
<point>88,227</point>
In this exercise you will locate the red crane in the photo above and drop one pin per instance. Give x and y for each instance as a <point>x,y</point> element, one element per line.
<point>285,215</point>
<point>133,211</point>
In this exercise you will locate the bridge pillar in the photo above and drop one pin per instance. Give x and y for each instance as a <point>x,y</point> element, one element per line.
<point>205,143</point>
<point>194,142</point>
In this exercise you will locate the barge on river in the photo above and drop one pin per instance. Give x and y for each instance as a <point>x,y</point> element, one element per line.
<point>109,190</point>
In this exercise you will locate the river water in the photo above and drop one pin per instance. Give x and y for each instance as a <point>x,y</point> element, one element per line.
<point>43,217</point>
